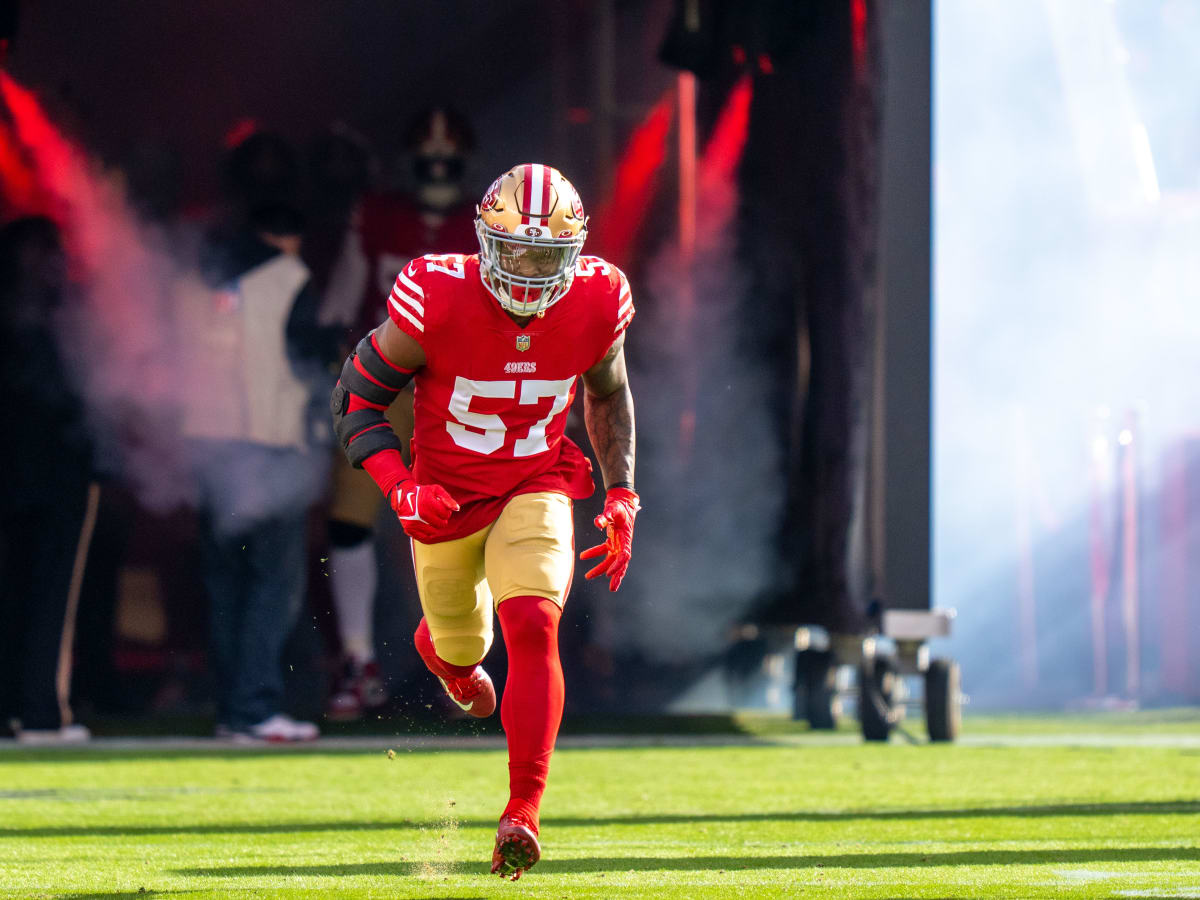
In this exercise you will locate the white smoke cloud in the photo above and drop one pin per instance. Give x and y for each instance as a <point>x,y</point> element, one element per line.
<point>125,331</point>
<point>712,491</point>
<point>1066,281</point>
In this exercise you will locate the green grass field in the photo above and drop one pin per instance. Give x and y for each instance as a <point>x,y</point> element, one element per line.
<point>1086,806</point>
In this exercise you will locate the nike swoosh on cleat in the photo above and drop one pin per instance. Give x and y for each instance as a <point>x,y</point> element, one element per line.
<point>465,707</point>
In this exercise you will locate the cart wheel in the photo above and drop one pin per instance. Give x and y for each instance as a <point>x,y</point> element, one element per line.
<point>877,691</point>
<point>943,699</point>
<point>816,692</point>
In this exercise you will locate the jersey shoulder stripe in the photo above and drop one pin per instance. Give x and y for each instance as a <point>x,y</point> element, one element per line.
<point>411,285</point>
<point>625,308</point>
<point>609,297</point>
<point>427,289</point>
<point>409,310</point>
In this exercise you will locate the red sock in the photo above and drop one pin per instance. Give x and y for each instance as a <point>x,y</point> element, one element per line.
<point>533,699</point>
<point>433,662</point>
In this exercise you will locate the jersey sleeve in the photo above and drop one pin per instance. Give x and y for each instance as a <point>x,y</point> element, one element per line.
<point>611,302</point>
<point>625,307</point>
<point>410,301</point>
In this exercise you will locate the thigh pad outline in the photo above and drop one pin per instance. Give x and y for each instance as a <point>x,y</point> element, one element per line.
<point>455,597</point>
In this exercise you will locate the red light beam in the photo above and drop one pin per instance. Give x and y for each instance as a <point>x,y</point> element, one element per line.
<point>635,183</point>
<point>724,149</point>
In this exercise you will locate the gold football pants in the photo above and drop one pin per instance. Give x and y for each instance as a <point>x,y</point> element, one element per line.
<point>528,551</point>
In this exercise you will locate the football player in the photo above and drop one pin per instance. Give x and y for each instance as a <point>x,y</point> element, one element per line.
<point>393,227</point>
<point>494,344</point>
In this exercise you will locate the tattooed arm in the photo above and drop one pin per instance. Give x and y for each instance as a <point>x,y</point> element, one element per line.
<point>608,413</point>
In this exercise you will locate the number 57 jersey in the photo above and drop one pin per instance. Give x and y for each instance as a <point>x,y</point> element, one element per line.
<point>492,399</point>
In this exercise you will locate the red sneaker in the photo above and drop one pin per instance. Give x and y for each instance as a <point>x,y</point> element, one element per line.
<point>517,848</point>
<point>475,694</point>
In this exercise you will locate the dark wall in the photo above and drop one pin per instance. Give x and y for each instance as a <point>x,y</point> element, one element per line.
<point>130,72</point>
<point>809,184</point>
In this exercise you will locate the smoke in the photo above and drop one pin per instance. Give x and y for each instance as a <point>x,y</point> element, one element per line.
<point>1066,289</point>
<point>709,468</point>
<point>125,331</point>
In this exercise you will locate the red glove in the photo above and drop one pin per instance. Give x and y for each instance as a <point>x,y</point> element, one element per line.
<point>423,509</point>
<point>621,506</point>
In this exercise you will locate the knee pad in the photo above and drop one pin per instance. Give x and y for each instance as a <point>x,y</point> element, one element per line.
<point>458,616</point>
<point>455,598</point>
<point>461,650</point>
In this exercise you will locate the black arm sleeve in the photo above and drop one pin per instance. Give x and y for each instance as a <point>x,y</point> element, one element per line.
<point>365,431</point>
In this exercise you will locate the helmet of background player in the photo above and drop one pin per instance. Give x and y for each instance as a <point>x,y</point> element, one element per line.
<point>531,227</point>
<point>439,141</point>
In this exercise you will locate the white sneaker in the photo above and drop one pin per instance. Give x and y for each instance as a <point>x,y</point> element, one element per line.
<point>282,728</point>
<point>48,737</point>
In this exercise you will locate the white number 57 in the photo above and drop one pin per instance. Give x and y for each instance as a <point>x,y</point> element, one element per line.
<point>485,432</point>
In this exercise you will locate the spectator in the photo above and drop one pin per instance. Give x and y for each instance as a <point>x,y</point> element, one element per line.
<point>48,501</point>
<point>256,357</point>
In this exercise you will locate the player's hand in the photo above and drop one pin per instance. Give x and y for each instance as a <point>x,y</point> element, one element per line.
<point>621,507</point>
<point>423,509</point>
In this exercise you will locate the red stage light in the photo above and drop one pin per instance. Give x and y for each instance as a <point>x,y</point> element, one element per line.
<point>18,188</point>
<point>634,185</point>
<point>239,131</point>
<point>32,146</point>
<point>724,149</point>
<point>858,33</point>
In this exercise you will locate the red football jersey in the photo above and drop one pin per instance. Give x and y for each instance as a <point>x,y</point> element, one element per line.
<point>491,400</point>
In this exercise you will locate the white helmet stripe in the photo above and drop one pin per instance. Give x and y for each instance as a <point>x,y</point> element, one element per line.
<point>537,192</point>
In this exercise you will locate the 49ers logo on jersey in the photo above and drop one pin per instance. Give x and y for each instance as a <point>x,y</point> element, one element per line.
<point>523,342</point>
<point>490,198</point>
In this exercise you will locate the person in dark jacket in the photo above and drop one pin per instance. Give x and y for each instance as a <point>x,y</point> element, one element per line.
<point>48,501</point>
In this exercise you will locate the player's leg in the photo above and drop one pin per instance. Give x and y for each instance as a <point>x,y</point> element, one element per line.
<point>455,632</point>
<point>353,578</point>
<point>529,559</point>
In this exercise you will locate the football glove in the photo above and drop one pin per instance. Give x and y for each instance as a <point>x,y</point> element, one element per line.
<point>423,509</point>
<point>621,506</point>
